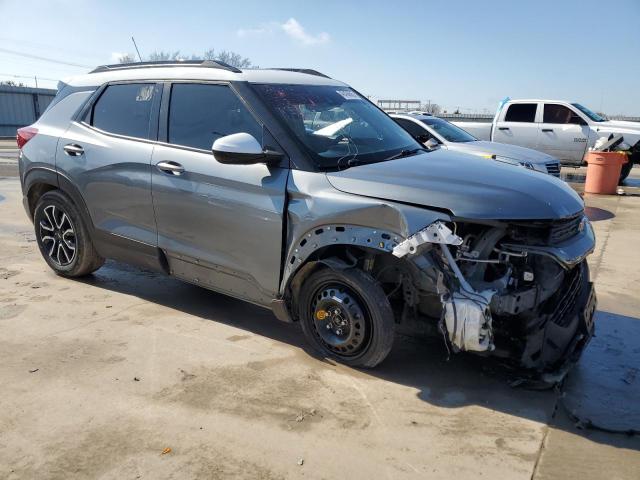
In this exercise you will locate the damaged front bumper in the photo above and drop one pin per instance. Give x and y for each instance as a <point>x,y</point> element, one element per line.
<point>536,308</point>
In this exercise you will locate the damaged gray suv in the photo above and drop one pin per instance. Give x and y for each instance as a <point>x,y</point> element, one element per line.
<point>289,189</point>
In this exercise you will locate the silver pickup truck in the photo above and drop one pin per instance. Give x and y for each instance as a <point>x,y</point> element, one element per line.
<point>562,129</point>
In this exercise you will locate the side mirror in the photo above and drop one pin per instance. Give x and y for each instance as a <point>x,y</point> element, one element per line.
<point>242,149</point>
<point>431,143</point>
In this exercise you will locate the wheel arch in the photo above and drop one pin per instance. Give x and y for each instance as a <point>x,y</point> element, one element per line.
<point>39,181</point>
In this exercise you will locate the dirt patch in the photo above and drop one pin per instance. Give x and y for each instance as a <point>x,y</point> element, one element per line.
<point>259,390</point>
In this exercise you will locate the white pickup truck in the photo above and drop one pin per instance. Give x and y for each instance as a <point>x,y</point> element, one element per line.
<point>562,129</point>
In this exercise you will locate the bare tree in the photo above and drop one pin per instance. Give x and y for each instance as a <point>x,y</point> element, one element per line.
<point>433,108</point>
<point>126,58</point>
<point>231,58</point>
<point>12,83</point>
<point>160,55</point>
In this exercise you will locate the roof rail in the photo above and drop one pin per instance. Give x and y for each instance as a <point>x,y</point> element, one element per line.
<point>308,71</point>
<point>167,63</point>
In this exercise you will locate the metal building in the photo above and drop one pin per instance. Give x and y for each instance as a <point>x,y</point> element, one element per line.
<point>21,106</point>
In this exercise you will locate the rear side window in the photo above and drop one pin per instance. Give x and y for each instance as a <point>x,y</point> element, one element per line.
<point>200,114</point>
<point>125,109</point>
<point>560,114</point>
<point>521,112</point>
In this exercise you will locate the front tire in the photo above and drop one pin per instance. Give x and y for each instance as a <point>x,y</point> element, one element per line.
<point>346,315</point>
<point>63,237</point>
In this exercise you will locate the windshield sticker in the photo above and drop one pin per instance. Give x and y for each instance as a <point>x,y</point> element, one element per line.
<point>348,94</point>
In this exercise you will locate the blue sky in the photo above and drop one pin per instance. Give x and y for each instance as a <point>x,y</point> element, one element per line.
<point>469,54</point>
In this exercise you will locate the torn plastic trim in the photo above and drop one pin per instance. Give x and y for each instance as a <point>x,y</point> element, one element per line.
<point>437,233</point>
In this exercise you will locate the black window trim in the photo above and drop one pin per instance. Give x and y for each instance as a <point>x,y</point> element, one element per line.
<point>160,110</point>
<point>535,113</point>
<point>163,120</point>
<point>87,110</point>
<point>574,112</point>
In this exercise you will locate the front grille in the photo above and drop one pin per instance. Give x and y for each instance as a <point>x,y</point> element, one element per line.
<point>564,229</point>
<point>553,168</point>
<point>567,302</point>
<point>549,232</point>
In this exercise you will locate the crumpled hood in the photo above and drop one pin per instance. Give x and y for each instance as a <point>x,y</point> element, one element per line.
<point>512,152</point>
<point>466,185</point>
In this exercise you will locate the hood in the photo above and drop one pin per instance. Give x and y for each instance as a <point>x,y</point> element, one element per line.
<point>629,130</point>
<point>512,152</point>
<point>467,186</point>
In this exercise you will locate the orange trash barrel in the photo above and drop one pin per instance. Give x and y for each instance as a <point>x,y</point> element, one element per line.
<point>603,171</point>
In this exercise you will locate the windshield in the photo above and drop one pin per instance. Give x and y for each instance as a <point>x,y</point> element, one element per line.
<point>337,126</point>
<point>592,115</point>
<point>448,131</point>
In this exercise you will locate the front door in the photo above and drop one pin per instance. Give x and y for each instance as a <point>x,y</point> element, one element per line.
<point>219,225</point>
<point>518,125</point>
<point>563,133</point>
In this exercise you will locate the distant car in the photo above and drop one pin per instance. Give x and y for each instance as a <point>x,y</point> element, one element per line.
<point>563,129</point>
<point>427,128</point>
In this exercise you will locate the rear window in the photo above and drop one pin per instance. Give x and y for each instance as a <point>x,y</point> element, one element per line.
<point>521,112</point>
<point>125,109</point>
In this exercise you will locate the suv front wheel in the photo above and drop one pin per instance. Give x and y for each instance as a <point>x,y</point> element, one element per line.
<point>63,237</point>
<point>346,315</point>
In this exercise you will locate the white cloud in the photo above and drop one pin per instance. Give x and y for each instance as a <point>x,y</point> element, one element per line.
<point>297,32</point>
<point>292,28</point>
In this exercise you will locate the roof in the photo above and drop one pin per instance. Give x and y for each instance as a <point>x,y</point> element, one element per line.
<point>207,70</point>
<point>412,116</point>
<point>528,100</point>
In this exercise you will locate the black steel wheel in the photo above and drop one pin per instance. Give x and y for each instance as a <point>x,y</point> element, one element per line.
<point>63,237</point>
<point>346,315</point>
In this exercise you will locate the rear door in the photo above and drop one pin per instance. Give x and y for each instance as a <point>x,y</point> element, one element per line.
<point>107,156</point>
<point>563,133</point>
<point>220,225</point>
<point>517,125</point>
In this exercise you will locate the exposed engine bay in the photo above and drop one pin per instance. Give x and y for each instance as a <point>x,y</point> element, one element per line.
<point>508,289</point>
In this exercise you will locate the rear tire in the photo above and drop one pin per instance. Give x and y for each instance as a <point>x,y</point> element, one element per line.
<point>63,237</point>
<point>346,315</point>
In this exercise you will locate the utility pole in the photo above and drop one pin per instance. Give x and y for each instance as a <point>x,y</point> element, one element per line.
<point>36,79</point>
<point>136,46</point>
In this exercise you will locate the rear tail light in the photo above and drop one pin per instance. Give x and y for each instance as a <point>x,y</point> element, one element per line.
<point>23,135</point>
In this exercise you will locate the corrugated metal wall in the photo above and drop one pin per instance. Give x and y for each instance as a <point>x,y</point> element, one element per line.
<point>21,106</point>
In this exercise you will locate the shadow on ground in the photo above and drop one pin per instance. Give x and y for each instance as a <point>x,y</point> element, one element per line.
<point>459,381</point>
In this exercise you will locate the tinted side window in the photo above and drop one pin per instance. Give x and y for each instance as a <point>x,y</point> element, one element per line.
<point>199,114</point>
<point>414,130</point>
<point>125,109</point>
<point>521,112</point>
<point>560,114</point>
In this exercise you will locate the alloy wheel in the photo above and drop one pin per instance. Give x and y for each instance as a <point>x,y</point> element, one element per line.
<point>57,236</point>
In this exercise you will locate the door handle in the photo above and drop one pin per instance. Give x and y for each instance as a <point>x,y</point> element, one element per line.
<point>547,129</point>
<point>172,168</point>
<point>503,128</point>
<point>73,150</point>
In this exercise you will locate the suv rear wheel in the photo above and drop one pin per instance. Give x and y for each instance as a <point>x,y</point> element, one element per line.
<point>63,237</point>
<point>346,315</point>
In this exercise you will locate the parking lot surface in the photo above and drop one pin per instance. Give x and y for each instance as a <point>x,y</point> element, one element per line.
<point>129,374</point>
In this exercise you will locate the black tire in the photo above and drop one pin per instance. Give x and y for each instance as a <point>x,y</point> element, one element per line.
<point>626,170</point>
<point>369,330</point>
<point>63,237</point>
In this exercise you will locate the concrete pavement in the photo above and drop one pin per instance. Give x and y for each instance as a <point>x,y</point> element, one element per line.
<point>128,374</point>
